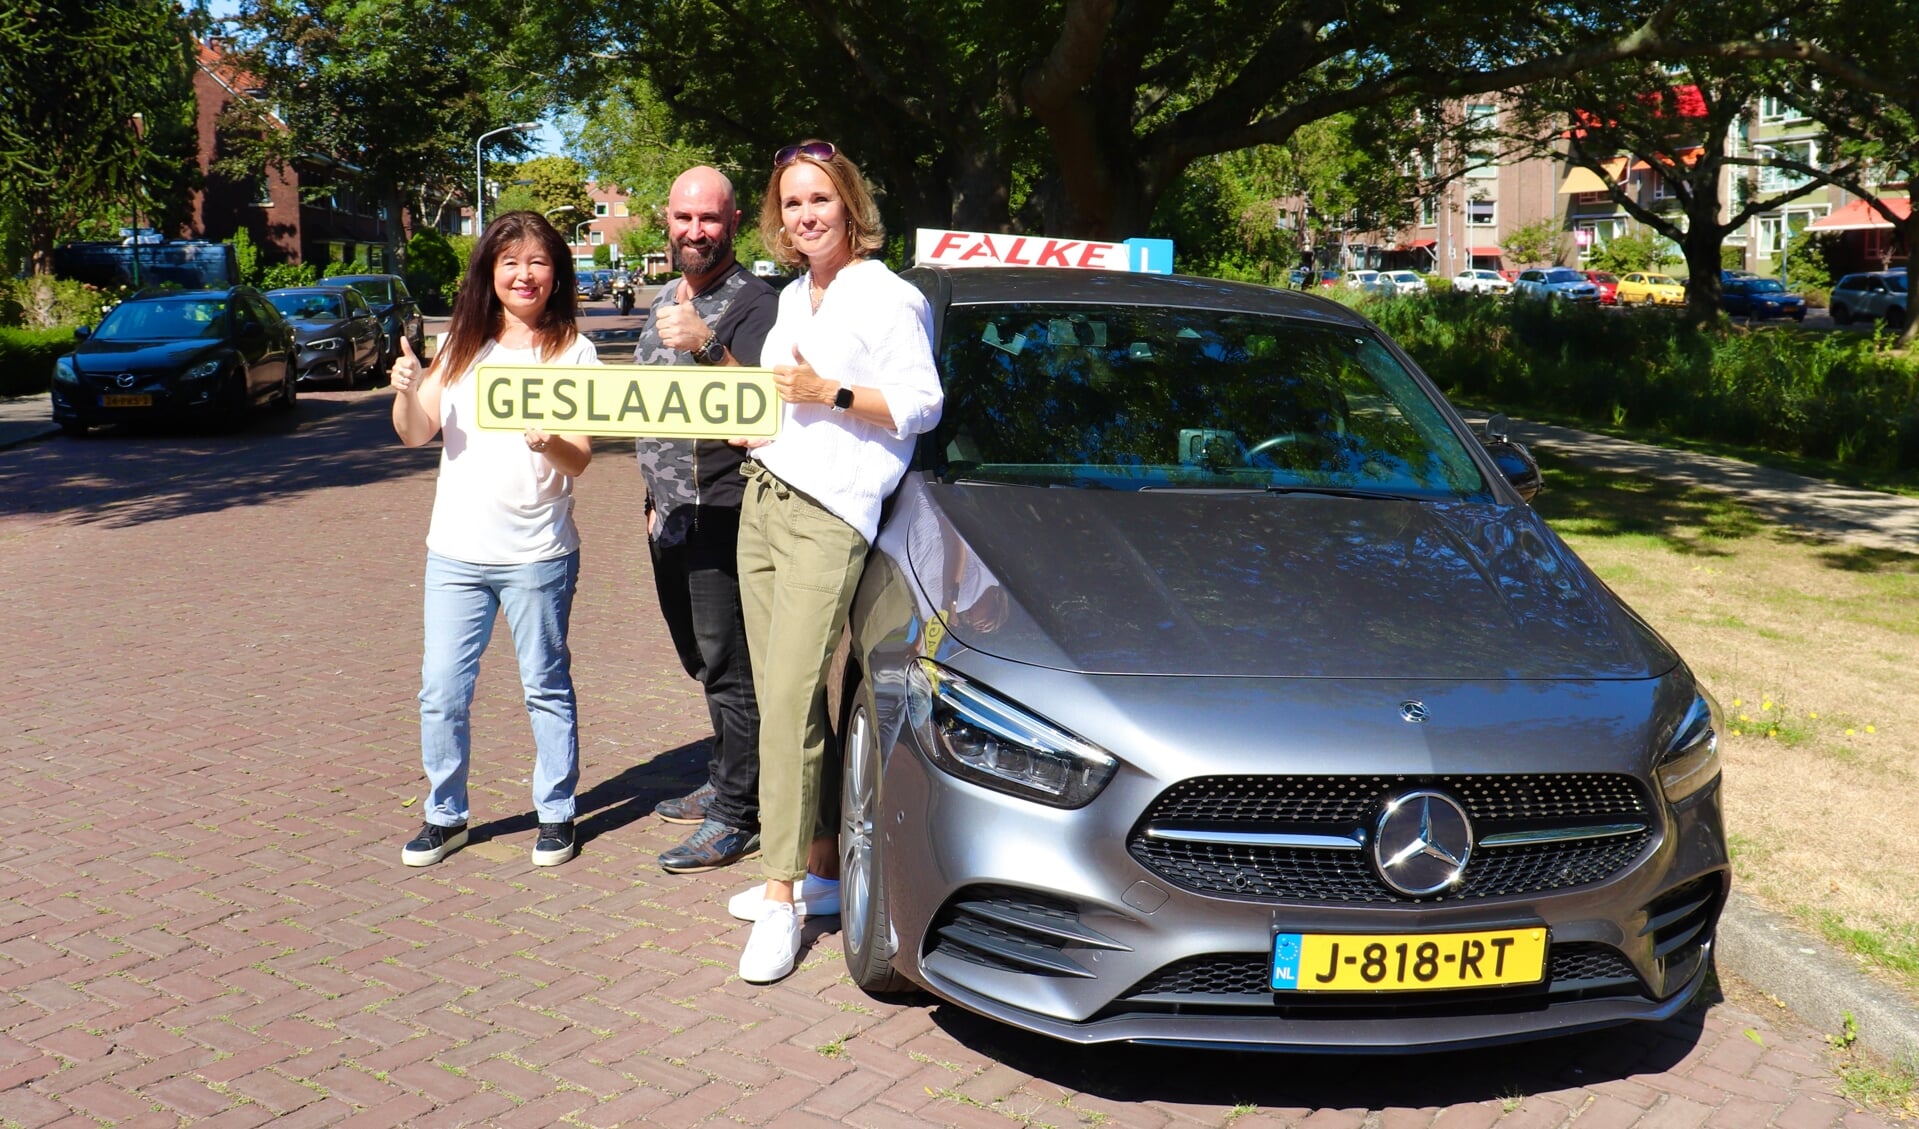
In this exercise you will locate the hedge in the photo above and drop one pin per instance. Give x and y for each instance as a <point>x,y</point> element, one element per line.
<point>26,358</point>
<point>1821,395</point>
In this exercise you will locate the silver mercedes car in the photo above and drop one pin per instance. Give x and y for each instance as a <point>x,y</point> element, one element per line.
<point>1211,683</point>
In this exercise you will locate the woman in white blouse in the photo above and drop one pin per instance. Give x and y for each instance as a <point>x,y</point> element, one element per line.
<point>502,534</point>
<point>852,353</point>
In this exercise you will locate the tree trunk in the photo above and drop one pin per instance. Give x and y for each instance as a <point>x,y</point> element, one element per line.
<point>1909,231</point>
<point>1701,245</point>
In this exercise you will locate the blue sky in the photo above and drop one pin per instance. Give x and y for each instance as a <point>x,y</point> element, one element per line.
<point>546,142</point>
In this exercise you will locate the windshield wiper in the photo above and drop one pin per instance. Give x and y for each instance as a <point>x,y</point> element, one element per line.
<point>1338,492</point>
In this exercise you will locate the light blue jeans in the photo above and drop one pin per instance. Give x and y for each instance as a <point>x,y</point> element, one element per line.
<point>461,602</point>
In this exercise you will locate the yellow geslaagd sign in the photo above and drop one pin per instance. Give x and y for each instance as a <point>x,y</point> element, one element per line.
<point>659,401</point>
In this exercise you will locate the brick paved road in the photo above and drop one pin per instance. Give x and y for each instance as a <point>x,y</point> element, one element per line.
<point>212,645</point>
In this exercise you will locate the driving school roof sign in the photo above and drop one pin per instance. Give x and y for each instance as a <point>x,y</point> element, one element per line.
<point>659,401</point>
<point>987,249</point>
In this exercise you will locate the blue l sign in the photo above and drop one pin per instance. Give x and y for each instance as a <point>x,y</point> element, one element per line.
<point>1149,256</point>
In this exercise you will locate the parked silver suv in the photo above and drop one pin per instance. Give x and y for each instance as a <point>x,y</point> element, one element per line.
<point>1869,295</point>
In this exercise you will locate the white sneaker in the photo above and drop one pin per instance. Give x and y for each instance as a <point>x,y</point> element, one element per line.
<point>813,897</point>
<point>772,947</point>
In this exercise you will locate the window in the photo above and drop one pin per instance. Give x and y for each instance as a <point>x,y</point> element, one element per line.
<point>596,237</point>
<point>1480,213</point>
<point>1428,212</point>
<point>599,209</point>
<point>620,209</point>
<point>1587,199</point>
<point>1785,180</point>
<point>1601,232</point>
<point>1876,244</point>
<point>262,193</point>
<point>1776,109</point>
<point>1772,229</point>
<point>1482,149</point>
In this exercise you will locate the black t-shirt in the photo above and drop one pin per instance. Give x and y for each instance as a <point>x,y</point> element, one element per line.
<point>684,473</point>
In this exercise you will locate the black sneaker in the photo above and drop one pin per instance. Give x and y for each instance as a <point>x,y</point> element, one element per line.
<point>690,808</point>
<point>432,844</point>
<point>714,845</point>
<point>555,844</point>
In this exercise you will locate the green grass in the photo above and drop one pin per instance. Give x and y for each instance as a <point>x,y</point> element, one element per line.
<point>1893,952</point>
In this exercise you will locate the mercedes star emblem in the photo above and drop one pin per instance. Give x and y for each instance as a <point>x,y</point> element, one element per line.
<point>1422,842</point>
<point>1413,710</point>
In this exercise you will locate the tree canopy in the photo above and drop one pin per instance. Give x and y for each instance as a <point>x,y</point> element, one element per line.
<point>71,156</point>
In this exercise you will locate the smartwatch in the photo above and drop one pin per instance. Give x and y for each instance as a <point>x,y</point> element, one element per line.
<point>843,399</point>
<point>712,352</point>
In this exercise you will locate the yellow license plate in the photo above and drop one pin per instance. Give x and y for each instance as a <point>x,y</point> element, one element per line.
<point>1407,962</point>
<point>112,401</point>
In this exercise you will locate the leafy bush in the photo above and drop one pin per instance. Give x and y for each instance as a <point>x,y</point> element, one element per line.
<point>45,302</point>
<point>350,266</point>
<point>431,266</point>
<point>1639,249</point>
<point>288,274</point>
<point>246,256</point>
<point>27,356</point>
<point>1818,395</point>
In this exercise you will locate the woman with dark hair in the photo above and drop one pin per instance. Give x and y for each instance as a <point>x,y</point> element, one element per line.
<point>852,357</point>
<point>502,534</point>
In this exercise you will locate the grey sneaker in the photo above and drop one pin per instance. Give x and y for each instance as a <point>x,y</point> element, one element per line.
<point>713,846</point>
<point>432,844</point>
<point>690,808</point>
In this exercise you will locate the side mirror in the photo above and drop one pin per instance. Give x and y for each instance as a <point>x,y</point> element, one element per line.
<point>1514,461</point>
<point>82,332</point>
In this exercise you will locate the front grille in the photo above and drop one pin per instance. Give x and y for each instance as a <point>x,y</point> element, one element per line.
<point>1680,923</point>
<point>1577,967</point>
<point>1345,805</point>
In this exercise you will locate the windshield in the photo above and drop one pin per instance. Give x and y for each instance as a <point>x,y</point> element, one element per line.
<point>311,307</point>
<point>1662,280</point>
<point>164,319</point>
<point>1762,286</point>
<point>1896,283</point>
<point>1602,276</point>
<point>1564,276</point>
<point>1133,398</point>
<point>375,289</point>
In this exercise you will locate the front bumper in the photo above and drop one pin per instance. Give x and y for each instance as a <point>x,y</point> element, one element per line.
<point>96,401</point>
<point>1046,920</point>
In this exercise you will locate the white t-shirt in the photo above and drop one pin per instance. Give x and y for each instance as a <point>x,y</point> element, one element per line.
<point>497,501</point>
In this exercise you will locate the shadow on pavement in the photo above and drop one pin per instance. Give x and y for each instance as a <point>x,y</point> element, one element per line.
<point>615,802</point>
<point>1283,1081</point>
<point>127,475</point>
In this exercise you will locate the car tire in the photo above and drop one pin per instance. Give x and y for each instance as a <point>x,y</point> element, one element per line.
<point>865,928</point>
<point>290,391</point>
<point>1841,315</point>
<point>73,429</point>
<point>1895,318</point>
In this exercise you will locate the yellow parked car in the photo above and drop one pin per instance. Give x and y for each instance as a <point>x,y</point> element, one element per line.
<point>1642,289</point>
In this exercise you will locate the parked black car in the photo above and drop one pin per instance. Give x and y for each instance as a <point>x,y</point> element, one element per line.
<point>1760,298</point>
<point>397,310</point>
<point>337,334</point>
<point>186,353</point>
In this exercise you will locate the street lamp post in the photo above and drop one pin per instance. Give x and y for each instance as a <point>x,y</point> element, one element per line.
<point>139,122</point>
<point>479,181</point>
<point>576,233</point>
<point>551,212</point>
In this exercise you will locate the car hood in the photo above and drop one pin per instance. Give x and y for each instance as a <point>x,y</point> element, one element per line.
<point>95,356</point>
<point>1232,584</point>
<point>306,329</point>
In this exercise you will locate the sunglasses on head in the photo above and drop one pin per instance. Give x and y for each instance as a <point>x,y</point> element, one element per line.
<point>813,150</point>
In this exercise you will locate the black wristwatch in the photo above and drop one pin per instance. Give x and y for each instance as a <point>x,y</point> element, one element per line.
<point>711,353</point>
<point>843,399</point>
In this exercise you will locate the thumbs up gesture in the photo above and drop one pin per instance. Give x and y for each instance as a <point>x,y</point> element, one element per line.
<point>680,327</point>
<point>404,374</point>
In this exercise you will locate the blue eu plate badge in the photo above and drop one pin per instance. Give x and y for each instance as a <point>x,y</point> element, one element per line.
<point>1285,962</point>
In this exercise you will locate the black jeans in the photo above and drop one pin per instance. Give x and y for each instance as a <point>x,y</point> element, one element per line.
<point>698,581</point>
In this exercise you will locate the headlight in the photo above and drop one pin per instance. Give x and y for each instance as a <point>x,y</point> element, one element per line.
<point>979,737</point>
<point>203,370</point>
<point>325,343</point>
<point>1691,759</point>
<point>63,372</point>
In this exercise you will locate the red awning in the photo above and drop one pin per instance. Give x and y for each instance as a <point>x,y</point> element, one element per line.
<point>1861,216</point>
<point>1417,245</point>
<point>1686,157</point>
<point>1484,252</point>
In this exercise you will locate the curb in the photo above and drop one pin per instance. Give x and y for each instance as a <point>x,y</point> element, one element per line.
<point>1816,983</point>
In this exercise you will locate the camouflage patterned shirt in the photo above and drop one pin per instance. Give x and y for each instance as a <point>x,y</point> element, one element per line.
<point>683,475</point>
